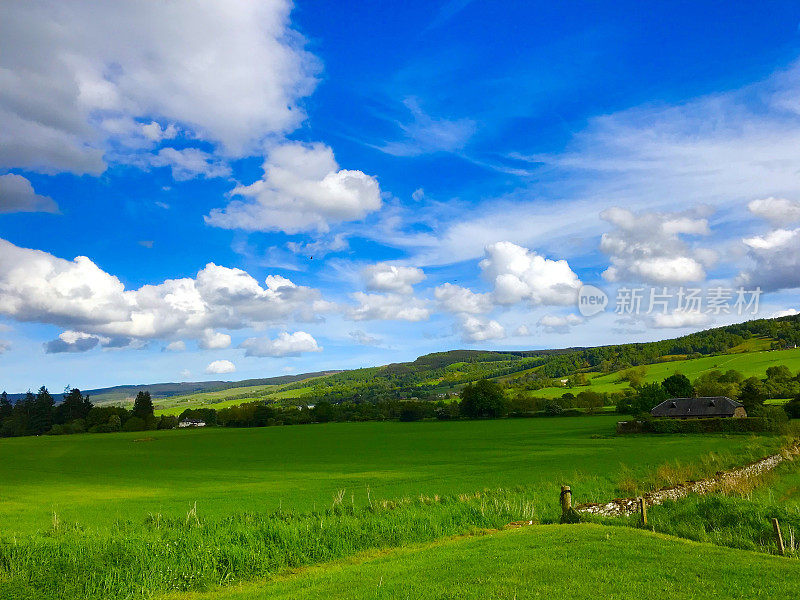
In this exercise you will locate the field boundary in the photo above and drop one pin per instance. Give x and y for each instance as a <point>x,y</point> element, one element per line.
<point>623,507</point>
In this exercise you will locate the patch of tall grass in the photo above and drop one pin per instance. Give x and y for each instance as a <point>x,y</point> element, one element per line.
<point>196,553</point>
<point>728,521</point>
<point>738,514</point>
<point>673,472</point>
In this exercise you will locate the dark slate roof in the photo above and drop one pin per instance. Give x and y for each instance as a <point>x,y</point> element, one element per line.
<point>707,406</point>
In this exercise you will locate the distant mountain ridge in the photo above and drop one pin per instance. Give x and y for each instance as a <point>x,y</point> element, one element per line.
<point>120,393</point>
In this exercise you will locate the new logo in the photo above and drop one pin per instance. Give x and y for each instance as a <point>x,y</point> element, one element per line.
<point>591,300</point>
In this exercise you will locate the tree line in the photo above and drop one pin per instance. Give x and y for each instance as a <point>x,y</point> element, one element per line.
<point>38,414</point>
<point>752,392</point>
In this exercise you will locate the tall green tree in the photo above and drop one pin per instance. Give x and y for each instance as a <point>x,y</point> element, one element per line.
<point>143,406</point>
<point>752,394</point>
<point>74,406</point>
<point>41,419</point>
<point>6,408</point>
<point>678,386</point>
<point>649,395</point>
<point>713,383</point>
<point>779,373</point>
<point>21,417</point>
<point>483,398</point>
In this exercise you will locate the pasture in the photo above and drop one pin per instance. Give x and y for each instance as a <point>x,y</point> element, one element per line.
<point>96,479</point>
<point>750,364</point>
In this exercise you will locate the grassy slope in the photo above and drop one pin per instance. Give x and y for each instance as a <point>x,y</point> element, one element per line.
<point>95,479</point>
<point>747,358</point>
<point>571,562</point>
<point>782,487</point>
<point>230,397</point>
<point>749,364</point>
<point>217,399</point>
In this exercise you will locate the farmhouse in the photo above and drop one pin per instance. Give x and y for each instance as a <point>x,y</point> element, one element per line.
<point>191,423</point>
<point>697,408</point>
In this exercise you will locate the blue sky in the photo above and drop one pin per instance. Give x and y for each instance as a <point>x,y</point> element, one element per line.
<point>259,188</point>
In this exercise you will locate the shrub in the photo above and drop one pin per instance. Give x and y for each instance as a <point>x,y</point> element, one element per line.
<point>167,422</point>
<point>56,430</point>
<point>134,424</point>
<point>715,425</point>
<point>553,409</point>
<point>775,416</point>
<point>114,423</point>
<point>792,408</point>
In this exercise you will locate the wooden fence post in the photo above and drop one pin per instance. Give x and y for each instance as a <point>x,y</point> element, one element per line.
<point>566,500</point>
<point>643,510</point>
<point>778,537</point>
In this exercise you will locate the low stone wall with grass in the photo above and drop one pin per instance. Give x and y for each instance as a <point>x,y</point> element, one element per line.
<point>723,480</point>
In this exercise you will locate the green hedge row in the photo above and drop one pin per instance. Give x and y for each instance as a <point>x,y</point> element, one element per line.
<point>715,425</point>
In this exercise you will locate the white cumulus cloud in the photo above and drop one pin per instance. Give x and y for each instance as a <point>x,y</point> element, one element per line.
<point>388,307</point>
<point>230,73</point>
<point>519,274</point>
<point>302,189</point>
<point>220,366</point>
<point>286,344</point>
<point>647,247</point>
<point>77,295</point>
<point>457,299</point>
<point>385,277</point>
<point>214,340</point>
<point>776,210</point>
<point>479,329</point>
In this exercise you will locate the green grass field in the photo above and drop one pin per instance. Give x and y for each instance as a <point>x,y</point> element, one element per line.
<point>562,562</point>
<point>95,479</point>
<point>748,363</point>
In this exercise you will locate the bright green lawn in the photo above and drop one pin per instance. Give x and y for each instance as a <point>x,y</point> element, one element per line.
<point>96,478</point>
<point>572,562</point>
<point>749,364</point>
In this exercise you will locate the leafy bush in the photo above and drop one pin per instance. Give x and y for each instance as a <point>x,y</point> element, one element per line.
<point>553,408</point>
<point>134,424</point>
<point>792,408</point>
<point>649,396</point>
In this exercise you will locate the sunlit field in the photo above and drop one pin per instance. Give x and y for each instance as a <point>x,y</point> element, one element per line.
<point>95,479</point>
